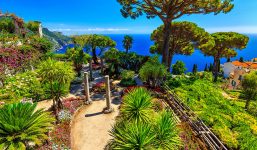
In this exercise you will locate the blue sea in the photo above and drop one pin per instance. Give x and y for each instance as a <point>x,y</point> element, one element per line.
<point>142,43</point>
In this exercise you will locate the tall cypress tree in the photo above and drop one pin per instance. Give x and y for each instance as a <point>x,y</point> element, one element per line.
<point>211,67</point>
<point>206,68</point>
<point>195,69</point>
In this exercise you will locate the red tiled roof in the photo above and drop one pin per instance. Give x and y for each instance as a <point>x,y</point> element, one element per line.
<point>249,65</point>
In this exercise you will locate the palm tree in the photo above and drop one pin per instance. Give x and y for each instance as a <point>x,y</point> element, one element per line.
<point>166,132</point>
<point>132,136</point>
<point>21,125</point>
<point>127,42</point>
<point>56,76</point>
<point>137,105</point>
<point>249,84</point>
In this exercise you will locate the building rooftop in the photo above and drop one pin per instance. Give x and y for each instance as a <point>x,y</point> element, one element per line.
<point>250,65</point>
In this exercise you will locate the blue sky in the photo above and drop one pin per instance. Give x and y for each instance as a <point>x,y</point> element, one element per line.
<point>103,16</point>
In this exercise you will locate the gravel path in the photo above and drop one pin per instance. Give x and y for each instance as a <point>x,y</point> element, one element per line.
<point>90,127</point>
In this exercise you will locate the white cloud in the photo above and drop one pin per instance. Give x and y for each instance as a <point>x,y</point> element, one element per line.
<point>89,30</point>
<point>240,29</point>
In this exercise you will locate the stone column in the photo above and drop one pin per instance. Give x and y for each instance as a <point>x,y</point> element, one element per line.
<point>91,70</point>
<point>86,88</point>
<point>40,30</point>
<point>108,108</point>
<point>102,65</point>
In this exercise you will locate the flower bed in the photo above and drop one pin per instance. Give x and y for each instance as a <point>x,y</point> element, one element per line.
<point>59,137</point>
<point>100,87</point>
<point>96,66</point>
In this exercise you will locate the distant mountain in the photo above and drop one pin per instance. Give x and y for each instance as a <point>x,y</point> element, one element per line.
<point>56,37</point>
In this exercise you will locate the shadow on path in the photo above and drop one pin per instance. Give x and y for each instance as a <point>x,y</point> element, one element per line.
<point>93,114</point>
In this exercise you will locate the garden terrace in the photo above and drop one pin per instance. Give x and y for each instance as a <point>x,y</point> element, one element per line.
<point>187,115</point>
<point>227,119</point>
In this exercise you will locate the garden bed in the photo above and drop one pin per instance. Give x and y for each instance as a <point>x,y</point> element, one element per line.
<point>59,137</point>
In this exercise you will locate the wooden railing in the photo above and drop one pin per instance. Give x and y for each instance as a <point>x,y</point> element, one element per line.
<point>185,114</point>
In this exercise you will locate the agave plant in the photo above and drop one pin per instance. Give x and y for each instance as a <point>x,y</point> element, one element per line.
<point>167,137</point>
<point>132,136</point>
<point>137,105</point>
<point>22,125</point>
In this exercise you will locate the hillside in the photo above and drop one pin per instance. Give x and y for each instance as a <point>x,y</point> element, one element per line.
<point>56,37</point>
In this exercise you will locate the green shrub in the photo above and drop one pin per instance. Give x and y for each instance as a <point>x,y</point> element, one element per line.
<point>229,121</point>
<point>153,72</point>
<point>21,124</point>
<point>33,26</point>
<point>178,68</point>
<point>25,85</point>
<point>7,25</point>
<point>41,44</point>
<point>59,56</point>
<point>127,78</point>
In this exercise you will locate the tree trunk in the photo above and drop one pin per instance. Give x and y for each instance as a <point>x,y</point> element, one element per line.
<point>170,60</point>
<point>247,104</point>
<point>94,55</point>
<point>55,110</point>
<point>59,104</point>
<point>216,69</point>
<point>127,50</point>
<point>166,40</point>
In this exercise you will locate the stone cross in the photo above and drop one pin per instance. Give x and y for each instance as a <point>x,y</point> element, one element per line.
<point>86,88</point>
<point>108,108</point>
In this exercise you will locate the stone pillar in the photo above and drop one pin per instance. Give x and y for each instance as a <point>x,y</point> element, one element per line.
<point>91,70</point>
<point>108,108</point>
<point>40,30</point>
<point>102,66</point>
<point>86,88</point>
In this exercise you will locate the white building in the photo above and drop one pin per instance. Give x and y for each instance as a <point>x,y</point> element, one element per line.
<point>235,71</point>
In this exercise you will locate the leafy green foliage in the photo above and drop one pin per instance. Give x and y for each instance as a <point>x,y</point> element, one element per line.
<point>33,26</point>
<point>24,85</point>
<point>178,68</point>
<point>59,56</point>
<point>185,37</point>
<point>139,127</point>
<point>92,42</point>
<point>166,132</point>
<point>137,105</point>
<point>56,75</point>
<point>132,136</point>
<point>168,11</point>
<point>249,84</point>
<point>127,42</point>
<point>235,127</point>
<point>153,72</point>
<point>226,44</point>
<point>132,61</point>
<point>78,57</point>
<point>41,44</point>
<point>21,124</point>
<point>112,58</point>
<point>127,78</point>
<point>195,69</point>
<point>159,9</point>
<point>7,25</point>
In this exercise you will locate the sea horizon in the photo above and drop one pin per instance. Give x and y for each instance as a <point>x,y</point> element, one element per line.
<point>142,44</point>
